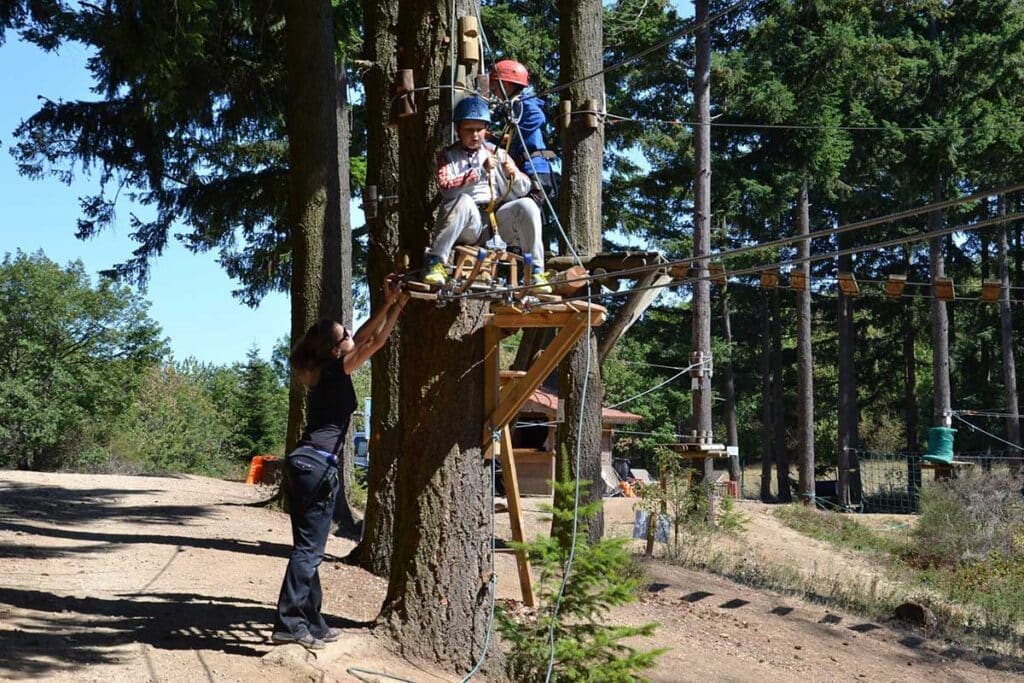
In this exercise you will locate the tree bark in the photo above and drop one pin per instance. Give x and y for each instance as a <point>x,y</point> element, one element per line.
<point>1006,336</point>
<point>437,599</point>
<point>310,112</point>
<point>701,330</point>
<point>805,361</point>
<point>581,46</point>
<point>337,297</point>
<point>940,320</point>
<point>847,413</point>
<point>732,431</point>
<point>910,415</point>
<point>985,350</point>
<point>767,443</point>
<point>374,550</point>
<point>778,405</point>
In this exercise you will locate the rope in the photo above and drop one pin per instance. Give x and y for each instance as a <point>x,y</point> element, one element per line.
<point>808,259</point>
<point>688,30</point>
<point>616,119</point>
<point>586,380</point>
<point>658,386</point>
<point>838,230</point>
<point>986,433</point>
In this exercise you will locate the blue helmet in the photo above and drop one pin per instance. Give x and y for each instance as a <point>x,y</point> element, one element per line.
<point>472,109</point>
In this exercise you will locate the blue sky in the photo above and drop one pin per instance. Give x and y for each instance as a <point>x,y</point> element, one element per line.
<point>189,293</point>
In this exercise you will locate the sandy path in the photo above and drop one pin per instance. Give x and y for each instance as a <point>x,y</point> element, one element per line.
<point>114,578</point>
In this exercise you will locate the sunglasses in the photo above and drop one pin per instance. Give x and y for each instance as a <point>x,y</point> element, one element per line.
<point>345,337</point>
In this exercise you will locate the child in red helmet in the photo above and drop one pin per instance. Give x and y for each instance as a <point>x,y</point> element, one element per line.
<point>511,81</point>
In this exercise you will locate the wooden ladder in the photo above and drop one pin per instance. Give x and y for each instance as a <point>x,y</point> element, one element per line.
<point>504,399</point>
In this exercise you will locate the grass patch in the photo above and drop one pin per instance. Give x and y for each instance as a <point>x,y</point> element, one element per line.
<point>864,599</point>
<point>842,530</point>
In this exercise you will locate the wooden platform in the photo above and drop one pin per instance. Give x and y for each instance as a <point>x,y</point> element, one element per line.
<point>506,391</point>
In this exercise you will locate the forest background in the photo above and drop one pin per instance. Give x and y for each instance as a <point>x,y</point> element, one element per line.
<point>875,107</point>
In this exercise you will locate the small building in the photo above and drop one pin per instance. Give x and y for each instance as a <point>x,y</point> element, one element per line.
<point>533,439</point>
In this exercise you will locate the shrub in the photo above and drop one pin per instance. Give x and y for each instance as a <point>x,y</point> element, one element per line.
<point>585,646</point>
<point>969,518</point>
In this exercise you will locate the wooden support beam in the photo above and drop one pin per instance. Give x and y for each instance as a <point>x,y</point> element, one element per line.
<point>518,393</point>
<point>609,261</point>
<point>515,513</point>
<point>639,301</point>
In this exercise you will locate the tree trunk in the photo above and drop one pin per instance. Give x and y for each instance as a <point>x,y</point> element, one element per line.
<point>910,415</point>
<point>805,361</point>
<point>581,41</point>
<point>437,600</point>
<point>374,551</point>
<point>732,431</point>
<point>767,444</point>
<point>1006,337</point>
<point>985,350</point>
<point>847,413</point>
<point>337,296</point>
<point>940,320</point>
<point>778,405</point>
<point>701,331</point>
<point>311,126</point>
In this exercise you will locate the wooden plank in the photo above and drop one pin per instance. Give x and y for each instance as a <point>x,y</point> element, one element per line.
<point>610,261</point>
<point>647,290</point>
<point>523,320</point>
<point>515,512</point>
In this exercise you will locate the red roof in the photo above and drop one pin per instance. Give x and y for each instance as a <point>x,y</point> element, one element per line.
<point>542,401</point>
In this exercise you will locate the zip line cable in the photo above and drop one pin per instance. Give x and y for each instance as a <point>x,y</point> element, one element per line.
<point>786,241</point>
<point>689,29</point>
<point>579,440</point>
<point>809,259</point>
<point>583,400</point>
<point>986,433</point>
<point>615,119</point>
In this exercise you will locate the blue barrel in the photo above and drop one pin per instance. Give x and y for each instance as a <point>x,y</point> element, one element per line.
<point>940,445</point>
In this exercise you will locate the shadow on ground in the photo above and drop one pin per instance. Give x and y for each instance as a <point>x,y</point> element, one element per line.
<point>64,632</point>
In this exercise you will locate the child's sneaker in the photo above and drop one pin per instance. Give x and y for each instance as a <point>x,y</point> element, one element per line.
<point>437,275</point>
<point>541,285</point>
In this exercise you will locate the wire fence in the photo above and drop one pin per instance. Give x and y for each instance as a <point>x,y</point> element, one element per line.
<point>889,483</point>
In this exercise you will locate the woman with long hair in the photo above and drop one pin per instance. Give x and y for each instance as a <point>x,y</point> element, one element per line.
<point>323,360</point>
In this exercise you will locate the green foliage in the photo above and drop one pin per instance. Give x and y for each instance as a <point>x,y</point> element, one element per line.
<point>687,504</point>
<point>189,121</point>
<point>994,584</point>
<point>586,647</point>
<point>970,518</point>
<point>172,425</point>
<point>71,356</point>
<point>840,529</point>
<point>261,409</point>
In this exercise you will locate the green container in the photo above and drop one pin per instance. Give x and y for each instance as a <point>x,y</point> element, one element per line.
<point>940,445</point>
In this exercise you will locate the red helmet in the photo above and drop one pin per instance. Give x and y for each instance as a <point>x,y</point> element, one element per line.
<point>511,71</point>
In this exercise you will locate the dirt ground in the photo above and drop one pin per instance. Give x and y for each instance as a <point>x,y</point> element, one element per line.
<point>116,578</point>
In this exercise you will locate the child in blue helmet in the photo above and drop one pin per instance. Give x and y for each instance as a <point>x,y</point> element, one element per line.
<point>482,189</point>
